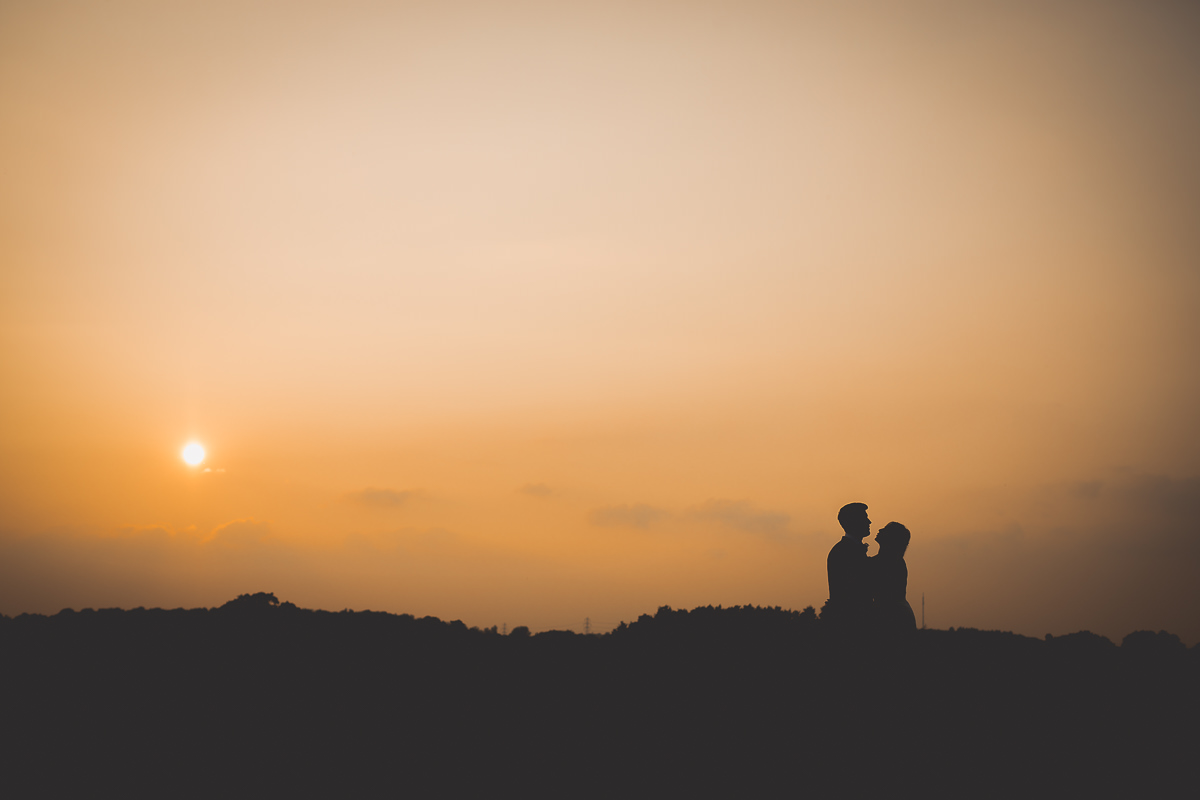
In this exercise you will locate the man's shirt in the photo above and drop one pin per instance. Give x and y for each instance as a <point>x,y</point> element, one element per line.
<point>849,586</point>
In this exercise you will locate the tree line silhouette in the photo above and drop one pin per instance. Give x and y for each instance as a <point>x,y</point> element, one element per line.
<point>259,697</point>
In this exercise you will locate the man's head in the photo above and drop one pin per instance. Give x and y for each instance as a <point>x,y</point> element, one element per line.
<point>855,521</point>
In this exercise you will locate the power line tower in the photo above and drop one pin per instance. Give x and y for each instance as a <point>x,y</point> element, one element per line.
<point>587,626</point>
<point>922,611</point>
<point>922,617</point>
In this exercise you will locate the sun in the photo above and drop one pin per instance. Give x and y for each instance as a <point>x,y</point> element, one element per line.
<point>193,454</point>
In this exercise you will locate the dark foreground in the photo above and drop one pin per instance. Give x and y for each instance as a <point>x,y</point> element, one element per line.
<point>256,699</point>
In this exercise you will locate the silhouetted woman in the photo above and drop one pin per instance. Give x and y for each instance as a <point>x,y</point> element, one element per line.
<point>892,614</point>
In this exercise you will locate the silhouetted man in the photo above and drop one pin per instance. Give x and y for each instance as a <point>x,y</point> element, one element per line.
<point>849,605</point>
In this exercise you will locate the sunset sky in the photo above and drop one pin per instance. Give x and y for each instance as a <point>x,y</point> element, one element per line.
<point>524,313</point>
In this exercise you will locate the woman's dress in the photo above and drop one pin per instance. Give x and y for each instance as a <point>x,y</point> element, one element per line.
<point>891,611</point>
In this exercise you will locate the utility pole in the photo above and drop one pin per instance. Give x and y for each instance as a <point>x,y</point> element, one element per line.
<point>587,626</point>
<point>922,611</point>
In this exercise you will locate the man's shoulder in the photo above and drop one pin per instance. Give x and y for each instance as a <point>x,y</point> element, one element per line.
<point>844,548</point>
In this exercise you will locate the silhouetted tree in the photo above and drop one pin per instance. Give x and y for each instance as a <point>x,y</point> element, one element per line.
<point>256,602</point>
<point>1149,643</point>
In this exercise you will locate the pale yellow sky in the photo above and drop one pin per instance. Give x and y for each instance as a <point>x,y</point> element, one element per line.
<point>697,273</point>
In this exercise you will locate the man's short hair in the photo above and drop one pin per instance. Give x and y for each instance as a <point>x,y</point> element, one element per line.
<point>850,512</point>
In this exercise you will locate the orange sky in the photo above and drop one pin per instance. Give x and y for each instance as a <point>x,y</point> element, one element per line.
<point>530,312</point>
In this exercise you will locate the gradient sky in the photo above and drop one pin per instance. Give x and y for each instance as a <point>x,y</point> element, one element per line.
<point>527,313</point>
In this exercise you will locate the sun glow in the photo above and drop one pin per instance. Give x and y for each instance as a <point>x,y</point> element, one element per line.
<point>193,453</point>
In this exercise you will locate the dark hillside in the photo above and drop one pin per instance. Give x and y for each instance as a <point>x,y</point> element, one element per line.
<point>260,698</point>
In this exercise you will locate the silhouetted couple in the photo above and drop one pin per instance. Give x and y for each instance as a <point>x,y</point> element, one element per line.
<point>868,595</point>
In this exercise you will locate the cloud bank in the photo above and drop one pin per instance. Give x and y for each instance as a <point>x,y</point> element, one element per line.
<point>741,515</point>
<point>380,498</point>
<point>638,515</point>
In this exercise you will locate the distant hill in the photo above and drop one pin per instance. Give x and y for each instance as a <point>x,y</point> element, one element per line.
<point>262,698</point>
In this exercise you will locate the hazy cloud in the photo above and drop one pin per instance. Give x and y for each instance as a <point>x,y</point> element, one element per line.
<point>741,515</point>
<point>1160,495</point>
<point>240,533</point>
<point>142,532</point>
<point>1132,499</point>
<point>1112,555</point>
<point>536,490</point>
<point>380,498</point>
<point>402,540</point>
<point>638,515</point>
<point>145,565</point>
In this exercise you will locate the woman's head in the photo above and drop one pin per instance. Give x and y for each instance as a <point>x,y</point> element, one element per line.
<point>893,539</point>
